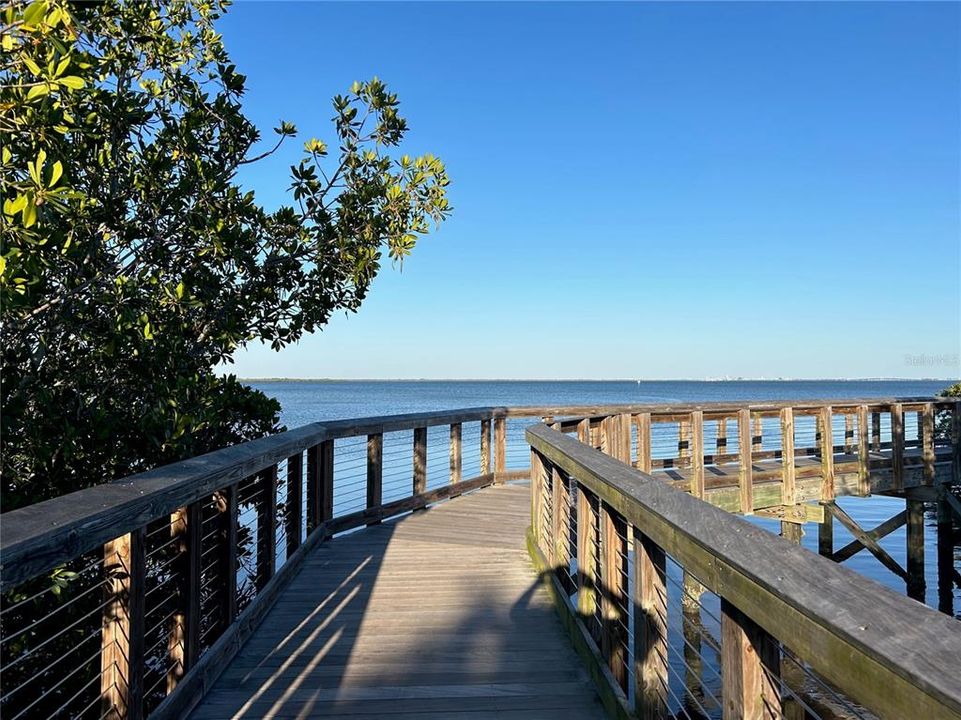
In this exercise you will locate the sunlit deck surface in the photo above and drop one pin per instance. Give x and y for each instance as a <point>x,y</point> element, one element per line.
<point>438,614</point>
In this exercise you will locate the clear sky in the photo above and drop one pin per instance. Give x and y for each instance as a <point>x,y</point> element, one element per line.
<point>641,190</point>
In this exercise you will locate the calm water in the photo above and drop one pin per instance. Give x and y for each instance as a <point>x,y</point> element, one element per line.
<point>305,402</point>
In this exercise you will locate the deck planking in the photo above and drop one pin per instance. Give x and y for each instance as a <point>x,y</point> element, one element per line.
<point>438,614</point>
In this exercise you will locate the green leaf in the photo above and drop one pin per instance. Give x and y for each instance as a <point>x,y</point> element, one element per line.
<point>38,91</point>
<point>71,81</point>
<point>147,331</point>
<point>31,65</point>
<point>29,213</point>
<point>55,173</point>
<point>33,13</point>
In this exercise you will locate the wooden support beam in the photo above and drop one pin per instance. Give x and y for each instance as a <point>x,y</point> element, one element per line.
<point>485,447</point>
<point>644,442</point>
<point>295,502</point>
<point>897,445</point>
<point>613,594</point>
<point>746,474</point>
<point>697,453</point>
<point>825,421</point>
<point>419,480</point>
<point>228,519</point>
<point>375,472</point>
<point>882,530</point>
<point>266,526</point>
<point>500,445</point>
<point>650,629</point>
<point>945,528</point>
<point>867,541</point>
<point>927,442</point>
<point>750,668</point>
<point>915,549</point>
<point>864,456</point>
<point>798,514</point>
<point>122,635</point>
<point>826,536</point>
<point>586,542</point>
<point>788,492</point>
<point>456,454</point>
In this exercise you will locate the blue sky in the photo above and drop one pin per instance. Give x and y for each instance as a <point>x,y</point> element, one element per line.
<point>641,190</point>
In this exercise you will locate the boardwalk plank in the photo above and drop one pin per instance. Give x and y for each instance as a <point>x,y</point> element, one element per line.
<point>436,614</point>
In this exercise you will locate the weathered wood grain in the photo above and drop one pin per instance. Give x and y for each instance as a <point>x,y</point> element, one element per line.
<point>365,629</point>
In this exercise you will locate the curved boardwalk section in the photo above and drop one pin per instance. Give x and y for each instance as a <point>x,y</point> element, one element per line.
<point>438,614</point>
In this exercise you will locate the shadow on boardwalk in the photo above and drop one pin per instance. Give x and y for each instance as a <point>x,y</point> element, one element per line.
<point>438,614</point>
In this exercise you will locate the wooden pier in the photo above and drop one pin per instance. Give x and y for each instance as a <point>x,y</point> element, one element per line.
<point>377,568</point>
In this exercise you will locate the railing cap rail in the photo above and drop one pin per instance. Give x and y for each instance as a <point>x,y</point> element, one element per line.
<point>902,636</point>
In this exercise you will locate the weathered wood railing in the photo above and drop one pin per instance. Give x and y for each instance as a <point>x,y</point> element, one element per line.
<point>126,599</point>
<point>604,534</point>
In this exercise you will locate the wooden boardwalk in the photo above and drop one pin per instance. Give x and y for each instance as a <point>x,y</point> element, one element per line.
<point>438,614</point>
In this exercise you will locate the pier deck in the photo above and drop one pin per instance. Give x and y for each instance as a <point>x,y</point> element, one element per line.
<point>436,614</point>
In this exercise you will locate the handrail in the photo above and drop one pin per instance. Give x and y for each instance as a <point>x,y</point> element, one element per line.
<point>894,656</point>
<point>37,538</point>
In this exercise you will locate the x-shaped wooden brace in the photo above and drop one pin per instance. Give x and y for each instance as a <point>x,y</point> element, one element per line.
<point>868,539</point>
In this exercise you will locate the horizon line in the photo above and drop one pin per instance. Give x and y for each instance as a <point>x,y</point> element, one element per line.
<point>599,380</point>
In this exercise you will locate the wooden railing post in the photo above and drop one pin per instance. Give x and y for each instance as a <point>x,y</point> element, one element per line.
<point>183,643</point>
<point>848,432</point>
<point>624,437</point>
<point>644,442</point>
<point>295,502</point>
<point>787,456</point>
<point>697,454</point>
<point>683,442</point>
<point>827,453</point>
<point>864,454</point>
<point>650,629</point>
<point>122,636</point>
<point>320,484</point>
<point>500,445</point>
<point>757,438</point>
<point>750,668</point>
<point>419,484</point>
<point>584,431</point>
<point>720,439</point>
<point>876,431</point>
<point>266,526</point>
<point>561,519</point>
<point>485,447</point>
<point>456,454</point>
<point>537,489</point>
<point>927,442</point>
<point>375,473</point>
<point>746,475</point>
<point>897,446</point>
<point>586,539</point>
<point>227,542</point>
<point>613,595</point>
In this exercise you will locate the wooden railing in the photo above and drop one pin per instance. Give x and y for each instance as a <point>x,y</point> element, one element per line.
<point>126,599</point>
<point>609,539</point>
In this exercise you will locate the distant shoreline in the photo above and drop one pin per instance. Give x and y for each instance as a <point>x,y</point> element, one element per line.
<point>588,380</point>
